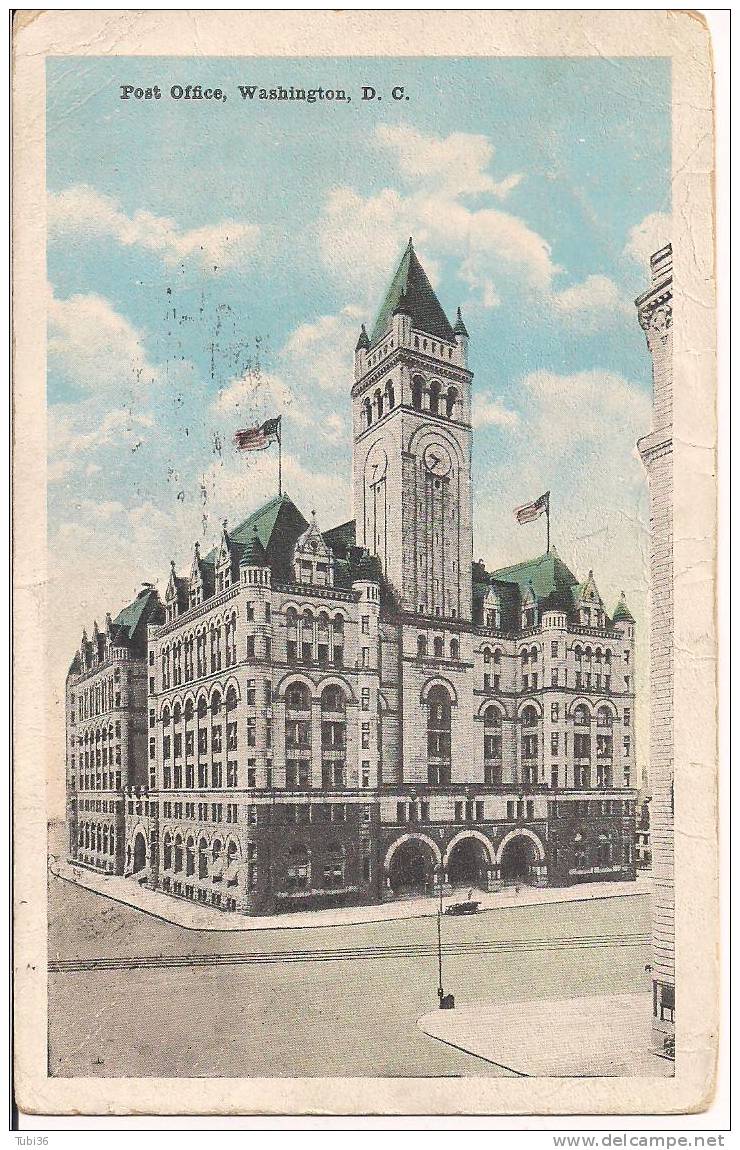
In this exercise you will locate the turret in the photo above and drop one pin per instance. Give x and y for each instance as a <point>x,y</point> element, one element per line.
<point>461,337</point>
<point>361,349</point>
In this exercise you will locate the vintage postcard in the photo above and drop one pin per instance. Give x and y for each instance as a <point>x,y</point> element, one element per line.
<point>365,664</point>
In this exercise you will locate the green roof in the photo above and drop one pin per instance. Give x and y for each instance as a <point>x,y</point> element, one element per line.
<point>622,613</point>
<point>129,618</point>
<point>550,579</point>
<point>419,301</point>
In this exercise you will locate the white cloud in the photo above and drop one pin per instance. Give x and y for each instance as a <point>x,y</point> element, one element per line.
<point>321,353</point>
<point>94,347</point>
<point>488,411</point>
<point>81,210</point>
<point>591,302</point>
<point>457,163</point>
<point>76,430</point>
<point>648,237</point>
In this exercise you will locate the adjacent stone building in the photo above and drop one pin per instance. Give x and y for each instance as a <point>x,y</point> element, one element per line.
<point>655,314</point>
<point>106,697</point>
<point>361,713</point>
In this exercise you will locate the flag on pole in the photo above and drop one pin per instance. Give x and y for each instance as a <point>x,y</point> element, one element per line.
<point>259,437</point>
<point>530,511</point>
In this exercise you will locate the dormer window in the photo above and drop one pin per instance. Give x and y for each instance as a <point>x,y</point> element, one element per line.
<point>312,559</point>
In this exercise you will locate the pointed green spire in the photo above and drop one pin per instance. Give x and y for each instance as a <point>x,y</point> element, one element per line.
<point>419,301</point>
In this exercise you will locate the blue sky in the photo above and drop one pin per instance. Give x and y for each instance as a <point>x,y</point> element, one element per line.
<point>209,264</point>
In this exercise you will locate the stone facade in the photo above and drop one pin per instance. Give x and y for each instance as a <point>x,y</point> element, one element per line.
<point>655,314</point>
<point>361,713</point>
<point>105,702</point>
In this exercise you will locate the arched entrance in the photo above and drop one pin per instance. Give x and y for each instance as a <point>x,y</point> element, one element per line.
<point>411,869</point>
<point>139,852</point>
<point>517,858</point>
<point>467,864</point>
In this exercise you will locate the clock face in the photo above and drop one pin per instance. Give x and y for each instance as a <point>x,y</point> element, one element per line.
<point>376,463</point>
<point>437,459</point>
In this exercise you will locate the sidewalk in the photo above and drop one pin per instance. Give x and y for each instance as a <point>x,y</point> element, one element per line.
<point>194,917</point>
<point>600,1036</point>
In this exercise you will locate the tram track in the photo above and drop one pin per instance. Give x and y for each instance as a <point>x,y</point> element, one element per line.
<point>348,954</point>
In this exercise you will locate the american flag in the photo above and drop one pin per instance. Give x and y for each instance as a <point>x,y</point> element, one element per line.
<point>259,437</point>
<point>529,511</point>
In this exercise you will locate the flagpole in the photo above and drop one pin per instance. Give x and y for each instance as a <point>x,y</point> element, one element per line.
<point>280,457</point>
<point>548,524</point>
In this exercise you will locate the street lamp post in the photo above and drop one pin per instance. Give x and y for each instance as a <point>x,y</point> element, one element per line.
<point>446,1001</point>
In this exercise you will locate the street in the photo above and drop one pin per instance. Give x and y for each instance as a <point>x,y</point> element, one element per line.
<point>330,1001</point>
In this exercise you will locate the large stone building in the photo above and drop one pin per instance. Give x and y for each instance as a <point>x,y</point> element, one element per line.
<point>655,313</point>
<point>353,714</point>
<point>106,731</point>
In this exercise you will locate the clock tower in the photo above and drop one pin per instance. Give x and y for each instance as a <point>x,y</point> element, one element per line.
<point>412,439</point>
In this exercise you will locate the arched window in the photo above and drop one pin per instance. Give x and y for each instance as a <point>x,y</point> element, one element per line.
<point>581,717</point>
<point>439,735</point>
<point>378,398</point>
<point>497,658</point>
<point>367,412</point>
<point>202,707</point>
<point>297,697</point>
<point>190,856</point>
<point>202,859</point>
<point>390,395</point>
<point>216,703</point>
<point>333,737</point>
<point>434,398</point>
<point>167,851</point>
<point>333,700</point>
<point>530,744</point>
<point>189,711</point>
<point>454,649</point>
<point>417,392</point>
<point>421,645</point>
<point>178,854</point>
<point>176,713</point>
<point>439,647</point>
<point>604,717</point>
<point>334,866</point>
<point>450,401</point>
<point>533,654</point>
<point>166,717</point>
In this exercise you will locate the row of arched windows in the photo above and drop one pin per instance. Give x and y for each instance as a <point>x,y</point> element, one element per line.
<point>314,638</point>
<point>97,837</point>
<point>430,397</point>
<point>438,647</point>
<point>375,408</point>
<point>187,855</point>
<point>299,736</point>
<point>199,654</point>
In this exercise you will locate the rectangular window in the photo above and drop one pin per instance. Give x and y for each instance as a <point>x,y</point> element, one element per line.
<point>250,612</point>
<point>268,692</point>
<point>553,678</point>
<point>152,719</point>
<point>217,776</point>
<point>216,739</point>
<point>251,732</point>
<point>152,749</point>
<point>365,624</point>
<point>554,649</point>
<point>627,716</point>
<point>365,735</point>
<point>250,646</point>
<point>554,712</point>
<point>189,743</point>
<point>627,744</point>
<point>510,809</point>
<point>190,776</point>
<point>530,809</point>
<point>497,682</point>
<point>202,740</point>
<point>479,812</point>
<point>554,741</point>
<point>400,812</point>
<point>251,692</point>
<point>366,698</point>
<point>166,747</point>
<point>525,682</point>
<point>554,775</point>
<point>459,812</point>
